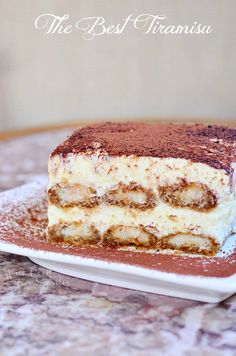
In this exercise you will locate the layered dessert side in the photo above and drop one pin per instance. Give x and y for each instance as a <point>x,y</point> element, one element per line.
<point>149,186</point>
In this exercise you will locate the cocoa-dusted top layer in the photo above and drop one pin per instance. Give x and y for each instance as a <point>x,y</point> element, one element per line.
<point>210,144</point>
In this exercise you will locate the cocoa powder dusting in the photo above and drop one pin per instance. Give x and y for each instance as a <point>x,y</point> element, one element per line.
<point>210,144</point>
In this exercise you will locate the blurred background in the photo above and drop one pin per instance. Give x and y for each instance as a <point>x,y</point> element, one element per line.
<point>53,79</point>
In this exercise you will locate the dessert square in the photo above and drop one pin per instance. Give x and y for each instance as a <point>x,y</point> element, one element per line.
<point>145,186</point>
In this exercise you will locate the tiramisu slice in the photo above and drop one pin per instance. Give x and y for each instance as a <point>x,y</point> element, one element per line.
<point>150,186</point>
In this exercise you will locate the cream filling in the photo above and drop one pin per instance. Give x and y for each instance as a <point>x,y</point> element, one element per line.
<point>102,172</point>
<point>162,220</point>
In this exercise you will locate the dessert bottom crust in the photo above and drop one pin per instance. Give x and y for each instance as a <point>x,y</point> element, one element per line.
<point>138,237</point>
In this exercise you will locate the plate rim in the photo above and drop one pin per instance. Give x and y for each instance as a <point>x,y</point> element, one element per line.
<point>222,284</point>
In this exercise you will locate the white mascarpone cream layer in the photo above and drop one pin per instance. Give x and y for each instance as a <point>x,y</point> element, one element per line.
<point>162,220</point>
<point>103,172</point>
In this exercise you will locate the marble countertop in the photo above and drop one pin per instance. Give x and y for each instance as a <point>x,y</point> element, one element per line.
<point>46,313</point>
